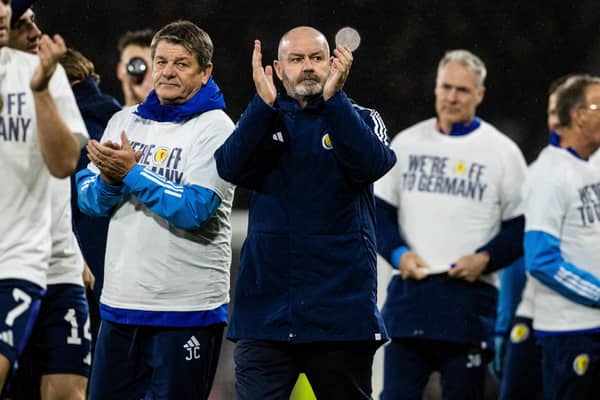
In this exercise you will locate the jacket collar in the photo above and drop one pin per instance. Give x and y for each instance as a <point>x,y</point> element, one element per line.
<point>287,103</point>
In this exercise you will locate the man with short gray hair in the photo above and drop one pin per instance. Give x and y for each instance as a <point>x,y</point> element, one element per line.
<point>164,302</point>
<point>449,215</point>
<point>469,60</point>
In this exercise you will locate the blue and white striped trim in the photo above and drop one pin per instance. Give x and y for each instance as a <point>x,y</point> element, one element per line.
<point>378,124</point>
<point>545,262</point>
<point>577,284</point>
<point>87,182</point>
<point>170,188</point>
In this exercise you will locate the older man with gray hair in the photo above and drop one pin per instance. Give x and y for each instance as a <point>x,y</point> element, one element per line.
<point>449,215</point>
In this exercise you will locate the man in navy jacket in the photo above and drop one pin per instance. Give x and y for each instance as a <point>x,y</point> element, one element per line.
<point>305,299</point>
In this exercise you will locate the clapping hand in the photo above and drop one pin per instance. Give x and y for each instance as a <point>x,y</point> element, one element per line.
<point>340,69</point>
<point>114,160</point>
<point>51,50</point>
<point>263,77</point>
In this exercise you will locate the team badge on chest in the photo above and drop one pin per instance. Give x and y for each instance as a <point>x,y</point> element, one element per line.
<point>326,142</point>
<point>519,333</point>
<point>160,155</point>
<point>581,364</point>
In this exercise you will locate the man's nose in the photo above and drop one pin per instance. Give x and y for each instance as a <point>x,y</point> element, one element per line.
<point>4,9</point>
<point>453,95</point>
<point>34,31</point>
<point>168,70</point>
<point>307,65</point>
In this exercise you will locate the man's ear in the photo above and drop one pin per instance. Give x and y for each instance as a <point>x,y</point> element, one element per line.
<point>278,69</point>
<point>576,116</point>
<point>207,71</point>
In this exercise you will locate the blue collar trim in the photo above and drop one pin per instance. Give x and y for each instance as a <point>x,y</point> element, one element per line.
<point>555,141</point>
<point>209,97</point>
<point>459,129</point>
<point>573,152</point>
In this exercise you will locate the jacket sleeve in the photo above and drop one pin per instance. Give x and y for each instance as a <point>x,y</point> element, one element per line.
<point>359,139</point>
<point>250,151</point>
<point>390,244</point>
<point>184,206</point>
<point>506,246</point>
<point>544,261</point>
<point>95,197</point>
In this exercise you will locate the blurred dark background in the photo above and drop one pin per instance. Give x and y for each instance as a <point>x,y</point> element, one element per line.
<point>525,45</point>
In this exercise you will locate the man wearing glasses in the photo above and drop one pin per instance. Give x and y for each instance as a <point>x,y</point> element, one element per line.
<point>562,232</point>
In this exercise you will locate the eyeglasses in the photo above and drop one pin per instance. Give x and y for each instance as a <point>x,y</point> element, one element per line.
<point>591,107</point>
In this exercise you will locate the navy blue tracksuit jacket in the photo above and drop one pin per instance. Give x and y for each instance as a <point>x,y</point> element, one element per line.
<point>308,266</point>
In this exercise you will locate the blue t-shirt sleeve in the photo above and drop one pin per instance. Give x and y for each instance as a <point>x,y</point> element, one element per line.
<point>184,206</point>
<point>544,261</point>
<point>94,196</point>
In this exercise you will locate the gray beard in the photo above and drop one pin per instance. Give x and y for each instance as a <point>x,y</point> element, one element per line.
<point>302,90</point>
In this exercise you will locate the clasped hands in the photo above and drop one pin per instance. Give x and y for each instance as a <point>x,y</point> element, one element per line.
<point>114,160</point>
<point>468,267</point>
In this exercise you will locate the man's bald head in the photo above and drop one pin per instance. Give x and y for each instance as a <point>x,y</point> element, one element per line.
<point>303,63</point>
<point>300,34</point>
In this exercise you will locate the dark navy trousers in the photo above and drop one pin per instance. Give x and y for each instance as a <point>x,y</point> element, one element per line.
<point>335,370</point>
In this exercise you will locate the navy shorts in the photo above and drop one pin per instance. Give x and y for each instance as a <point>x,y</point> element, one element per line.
<point>135,362</point>
<point>19,307</point>
<point>571,366</point>
<point>60,342</point>
<point>522,371</point>
<point>409,362</point>
<point>335,370</point>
